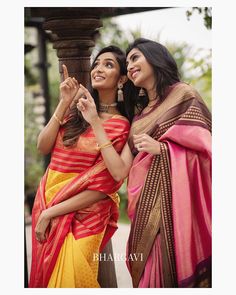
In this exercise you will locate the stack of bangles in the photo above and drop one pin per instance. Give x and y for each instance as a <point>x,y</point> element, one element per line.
<point>105,145</point>
<point>57,119</point>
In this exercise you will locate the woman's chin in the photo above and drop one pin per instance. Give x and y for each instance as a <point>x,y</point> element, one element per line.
<point>137,83</point>
<point>98,86</point>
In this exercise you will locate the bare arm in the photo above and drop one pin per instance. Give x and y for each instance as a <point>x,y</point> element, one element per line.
<point>118,165</point>
<point>68,89</point>
<point>47,136</point>
<point>79,201</point>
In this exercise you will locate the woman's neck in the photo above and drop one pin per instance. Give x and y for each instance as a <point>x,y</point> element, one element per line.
<point>152,91</point>
<point>107,96</point>
<point>152,94</point>
<point>107,102</point>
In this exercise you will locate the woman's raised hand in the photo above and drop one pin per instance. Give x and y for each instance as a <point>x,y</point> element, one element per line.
<point>69,87</point>
<point>86,105</point>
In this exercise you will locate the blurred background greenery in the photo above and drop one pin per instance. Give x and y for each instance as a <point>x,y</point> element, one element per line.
<point>194,65</point>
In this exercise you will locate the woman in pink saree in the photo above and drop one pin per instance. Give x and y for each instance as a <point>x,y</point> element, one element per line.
<point>169,183</point>
<point>169,187</point>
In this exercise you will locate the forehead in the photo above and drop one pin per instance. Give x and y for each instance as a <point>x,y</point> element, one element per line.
<point>133,51</point>
<point>107,55</point>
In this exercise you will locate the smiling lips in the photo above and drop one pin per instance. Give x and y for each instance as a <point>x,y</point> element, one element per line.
<point>98,78</point>
<point>134,74</point>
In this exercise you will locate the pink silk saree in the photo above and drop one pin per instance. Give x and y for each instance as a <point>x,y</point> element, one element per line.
<point>71,171</point>
<point>169,195</point>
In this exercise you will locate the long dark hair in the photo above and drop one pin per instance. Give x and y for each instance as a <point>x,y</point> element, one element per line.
<point>163,64</point>
<point>76,124</point>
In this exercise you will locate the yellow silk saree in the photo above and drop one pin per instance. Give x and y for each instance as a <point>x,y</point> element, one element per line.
<point>66,258</point>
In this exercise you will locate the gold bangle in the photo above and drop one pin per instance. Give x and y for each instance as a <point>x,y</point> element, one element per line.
<point>105,145</point>
<point>57,119</point>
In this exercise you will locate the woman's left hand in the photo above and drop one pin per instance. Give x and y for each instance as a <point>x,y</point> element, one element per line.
<point>41,227</point>
<point>145,143</point>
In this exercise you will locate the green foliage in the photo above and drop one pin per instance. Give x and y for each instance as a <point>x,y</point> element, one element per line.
<point>33,160</point>
<point>53,77</point>
<point>30,77</point>
<point>123,203</point>
<point>180,51</point>
<point>200,69</point>
<point>111,34</point>
<point>205,11</point>
<point>30,58</point>
<point>195,67</point>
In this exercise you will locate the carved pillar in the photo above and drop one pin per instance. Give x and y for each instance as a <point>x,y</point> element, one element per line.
<point>73,30</point>
<point>73,41</point>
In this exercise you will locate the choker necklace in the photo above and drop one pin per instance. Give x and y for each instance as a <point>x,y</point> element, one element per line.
<point>105,107</point>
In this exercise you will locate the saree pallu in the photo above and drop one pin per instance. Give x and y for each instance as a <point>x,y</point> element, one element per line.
<point>66,258</point>
<point>169,195</point>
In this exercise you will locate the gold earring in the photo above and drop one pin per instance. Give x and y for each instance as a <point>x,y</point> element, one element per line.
<point>120,93</point>
<point>141,92</point>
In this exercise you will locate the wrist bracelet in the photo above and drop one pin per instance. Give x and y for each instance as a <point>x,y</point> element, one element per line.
<point>105,145</point>
<point>57,119</point>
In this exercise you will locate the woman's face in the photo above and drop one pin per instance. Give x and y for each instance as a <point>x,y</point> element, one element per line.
<point>140,72</point>
<point>106,72</point>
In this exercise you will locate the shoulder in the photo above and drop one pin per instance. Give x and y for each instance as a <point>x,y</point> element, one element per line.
<point>189,93</point>
<point>119,118</point>
<point>118,122</point>
<point>186,89</point>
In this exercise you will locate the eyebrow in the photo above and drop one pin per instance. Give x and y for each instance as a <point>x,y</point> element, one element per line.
<point>109,59</point>
<point>131,56</point>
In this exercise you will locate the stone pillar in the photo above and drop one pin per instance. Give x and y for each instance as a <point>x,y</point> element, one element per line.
<point>73,41</point>
<point>73,31</point>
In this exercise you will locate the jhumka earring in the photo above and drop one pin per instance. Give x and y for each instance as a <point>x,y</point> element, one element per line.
<point>141,92</point>
<point>120,93</point>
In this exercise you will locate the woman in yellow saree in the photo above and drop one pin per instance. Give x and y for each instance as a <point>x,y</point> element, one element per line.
<point>76,206</point>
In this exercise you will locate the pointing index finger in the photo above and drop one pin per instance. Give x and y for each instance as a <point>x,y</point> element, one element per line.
<point>87,93</point>
<point>65,72</point>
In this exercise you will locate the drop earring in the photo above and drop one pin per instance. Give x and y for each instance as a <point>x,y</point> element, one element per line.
<point>141,92</point>
<point>120,93</point>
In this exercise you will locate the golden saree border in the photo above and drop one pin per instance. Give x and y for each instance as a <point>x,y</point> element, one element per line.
<point>153,216</point>
<point>167,231</point>
<point>183,105</point>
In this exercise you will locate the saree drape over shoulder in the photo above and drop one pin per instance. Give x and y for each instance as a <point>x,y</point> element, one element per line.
<point>169,195</point>
<point>66,259</point>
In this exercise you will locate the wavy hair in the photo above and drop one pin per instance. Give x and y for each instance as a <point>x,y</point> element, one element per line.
<point>76,124</point>
<point>163,64</point>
